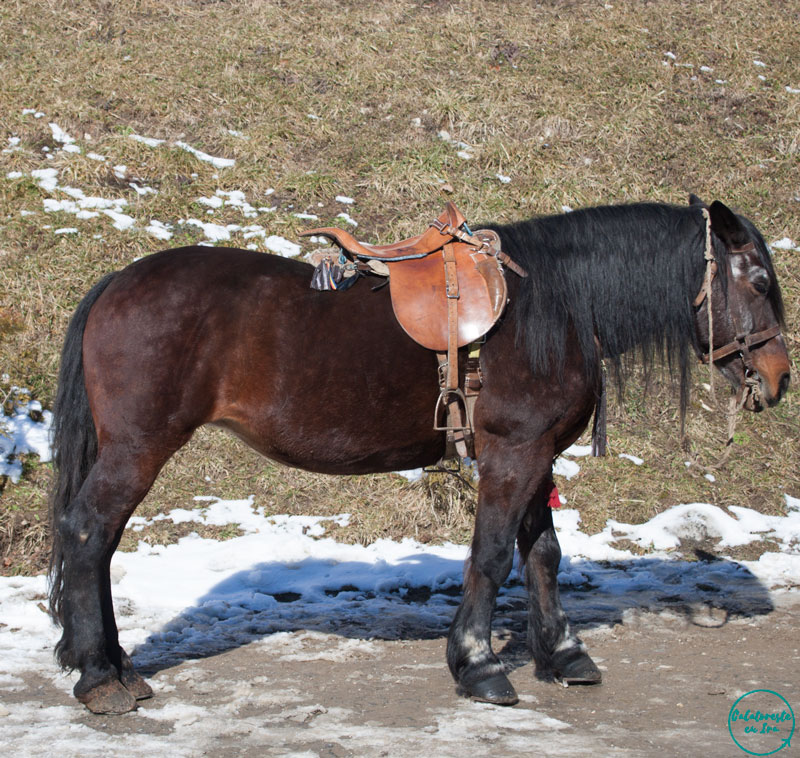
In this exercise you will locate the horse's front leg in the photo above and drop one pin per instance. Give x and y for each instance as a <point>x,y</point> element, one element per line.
<point>508,481</point>
<point>557,652</point>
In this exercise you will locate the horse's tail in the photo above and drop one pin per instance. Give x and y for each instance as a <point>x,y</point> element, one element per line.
<point>74,437</point>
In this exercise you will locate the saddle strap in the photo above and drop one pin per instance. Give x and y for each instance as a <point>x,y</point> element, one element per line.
<point>451,290</point>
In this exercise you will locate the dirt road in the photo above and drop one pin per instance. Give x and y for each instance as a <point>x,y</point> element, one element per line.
<point>670,681</point>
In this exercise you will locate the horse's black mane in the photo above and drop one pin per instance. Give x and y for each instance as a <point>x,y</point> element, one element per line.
<point>627,274</point>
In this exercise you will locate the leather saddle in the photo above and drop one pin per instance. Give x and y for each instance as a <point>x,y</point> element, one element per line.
<point>448,289</point>
<point>444,263</point>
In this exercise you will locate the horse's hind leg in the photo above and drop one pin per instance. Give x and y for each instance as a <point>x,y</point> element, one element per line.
<point>557,653</point>
<point>89,531</point>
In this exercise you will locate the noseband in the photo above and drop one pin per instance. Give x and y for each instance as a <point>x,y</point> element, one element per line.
<point>743,342</point>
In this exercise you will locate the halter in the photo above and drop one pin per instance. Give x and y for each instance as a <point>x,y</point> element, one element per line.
<point>742,342</point>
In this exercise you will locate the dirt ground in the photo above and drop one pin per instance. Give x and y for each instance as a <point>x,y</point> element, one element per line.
<point>670,680</point>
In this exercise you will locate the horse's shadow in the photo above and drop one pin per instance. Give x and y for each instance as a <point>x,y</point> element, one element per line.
<point>340,599</point>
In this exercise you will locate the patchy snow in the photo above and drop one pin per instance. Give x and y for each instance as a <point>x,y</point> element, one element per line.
<point>578,451</point>
<point>159,230</point>
<point>13,145</point>
<point>20,434</point>
<point>785,243</point>
<point>282,247</point>
<point>344,199</point>
<point>565,468</point>
<point>149,141</point>
<point>632,458</point>
<point>347,218</point>
<point>59,135</point>
<point>412,474</point>
<point>213,232</point>
<point>46,178</point>
<point>200,155</point>
<point>234,198</point>
<point>122,221</point>
<point>503,178</point>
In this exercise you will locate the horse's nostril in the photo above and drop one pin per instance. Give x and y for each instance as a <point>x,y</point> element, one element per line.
<point>783,385</point>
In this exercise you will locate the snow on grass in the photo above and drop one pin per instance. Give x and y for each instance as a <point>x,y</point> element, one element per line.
<point>67,142</point>
<point>282,247</point>
<point>785,243</point>
<point>149,141</point>
<point>158,230</point>
<point>21,434</point>
<point>86,207</point>
<point>347,218</point>
<point>200,155</point>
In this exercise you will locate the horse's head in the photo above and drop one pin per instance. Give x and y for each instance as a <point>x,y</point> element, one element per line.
<point>747,311</point>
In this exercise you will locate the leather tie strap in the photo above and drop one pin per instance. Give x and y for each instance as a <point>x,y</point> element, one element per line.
<point>451,288</point>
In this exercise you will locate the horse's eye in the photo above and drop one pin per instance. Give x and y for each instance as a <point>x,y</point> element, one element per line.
<point>761,285</point>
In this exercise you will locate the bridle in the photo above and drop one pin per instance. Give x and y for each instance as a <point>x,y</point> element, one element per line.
<point>743,342</point>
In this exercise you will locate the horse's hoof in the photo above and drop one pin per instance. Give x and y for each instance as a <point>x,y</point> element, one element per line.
<point>494,689</point>
<point>578,670</point>
<point>110,697</point>
<point>134,683</point>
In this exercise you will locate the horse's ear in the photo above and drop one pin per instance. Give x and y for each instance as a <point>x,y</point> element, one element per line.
<point>694,200</point>
<point>726,225</point>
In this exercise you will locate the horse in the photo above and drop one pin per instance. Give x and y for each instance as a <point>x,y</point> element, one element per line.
<point>237,339</point>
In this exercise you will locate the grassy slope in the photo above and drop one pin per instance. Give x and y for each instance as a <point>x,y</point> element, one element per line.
<point>573,100</point>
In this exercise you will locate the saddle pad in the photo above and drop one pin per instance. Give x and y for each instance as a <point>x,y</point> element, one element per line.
<point>419,296</point>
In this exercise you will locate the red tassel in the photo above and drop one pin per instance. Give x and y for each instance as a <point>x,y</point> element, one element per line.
<point>553,500</point>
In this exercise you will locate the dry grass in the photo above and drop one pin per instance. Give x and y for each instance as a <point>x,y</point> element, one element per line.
<point>571,99</point>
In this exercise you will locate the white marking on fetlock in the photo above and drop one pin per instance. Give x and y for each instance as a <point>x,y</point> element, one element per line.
<point>478,650</point>
<point>568,642</point>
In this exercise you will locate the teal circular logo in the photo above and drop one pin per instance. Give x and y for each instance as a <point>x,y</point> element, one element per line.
<point>761,722</point>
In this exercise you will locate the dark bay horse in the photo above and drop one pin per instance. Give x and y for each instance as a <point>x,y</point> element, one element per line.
<point>237,339</point>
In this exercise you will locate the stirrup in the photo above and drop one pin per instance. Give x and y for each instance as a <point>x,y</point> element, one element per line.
<point>442,406</point>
